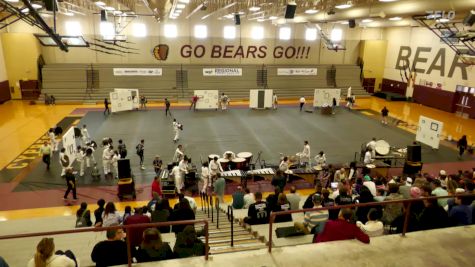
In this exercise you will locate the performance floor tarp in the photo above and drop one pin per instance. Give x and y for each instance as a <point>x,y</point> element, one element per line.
<point>212,132</point>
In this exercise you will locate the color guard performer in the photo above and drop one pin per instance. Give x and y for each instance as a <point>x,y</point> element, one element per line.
<point>180,179</point>
<point>179,154</point>
<point>85,135</point>
<point>70,182</point>
<point>176,128</point>
<point>107,155</point>
<point>52,140</point>
<point>89,157</point>
<point>115,163</point>
<point>80,157</point>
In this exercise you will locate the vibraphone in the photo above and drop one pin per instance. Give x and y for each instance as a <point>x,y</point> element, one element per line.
<point>266,173</point>
<point>307,174</point>
<point>236,175</point>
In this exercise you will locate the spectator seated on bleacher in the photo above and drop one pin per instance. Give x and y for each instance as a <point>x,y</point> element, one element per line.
<point>293,198</point>
<point>238,198</point>
<point>44,256</point>
<point>282,205</point>
<point>313,220</point>
<point>373,226</point>
<point>182,213</point>
<point>272,199</point>
<point>328,202</point>
<point>135,234</point>
<point>127,213</point>
<point>309,201</point>
<point>161,214</point>
<point>83,216</point>
<point>98,212</point>
<point>258,213</point>
<point>153,248</point>
<point>433,216</point>
<point>111,216</point>
<point>392,211</point>
<point>112,251</point>
<point>461,213</point>
<point>188,245</point>
<point>155,199</point>
<point>3,263</point>
<point>341,229</point>
<point>437,190</point>
<point>364,197</point>
<point>248,198</point>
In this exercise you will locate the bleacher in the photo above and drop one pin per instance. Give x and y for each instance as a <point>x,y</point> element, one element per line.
<point>69,82</point>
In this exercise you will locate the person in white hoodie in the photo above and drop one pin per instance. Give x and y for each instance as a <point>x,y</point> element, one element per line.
<point>373,227</point>
<point>45,256</point>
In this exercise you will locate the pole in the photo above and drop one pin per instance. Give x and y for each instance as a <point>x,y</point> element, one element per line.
<point>129,252</point>
<point>406,219</point>
<point>212,210</point>
<point>271,220</point>
<point>217,212</point>
<point>232,227</point>
<point>206,240</point>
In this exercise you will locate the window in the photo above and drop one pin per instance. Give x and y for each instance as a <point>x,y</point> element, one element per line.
<point>229,32</point>
<point>170,30</point>
<point>139,30</point>
<point>107,29</point>
<point>336,35</point>
<point>257,33</point>
<point>73,28</point>
<point>311,34</point>
<point>201,31</point>
<point>284,33</point>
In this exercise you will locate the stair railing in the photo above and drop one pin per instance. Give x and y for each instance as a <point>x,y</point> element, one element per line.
<point>230,214</point>
<point>210,199</point>
<point>216,203</point>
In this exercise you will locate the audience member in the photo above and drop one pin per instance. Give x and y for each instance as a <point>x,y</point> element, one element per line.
<point>98,212</point>
<point>293,198</point>
<point>273,198</point>
<point>83,216</point>
<point>405,187</point>
<point>112,251</point>
<point>425,190</point>
<point>152,203</point>
<point>343,199</point>
<point>191,200</point>
<point>370,185</point>
<point>461,213</point>
<point>188,245</point>
<point>45,257</point>
<point>309,201</point>
<point>282,205</point>
<point>380,195</point>
<point>238,198</point>
<point>153,248</point>
<point>258,213</point>
<point>313,220</point>
<point>183,213</point>
<point>127,213</point>
<point>365,197</point>
<point>135,234</point>
<point>328,202</point>
<point>161,214</point>
<point>373,226</point>
<point>433,216</point>
<point>339,175</point>
<point>392,211</point>
<point>437,190</point>
<point>111,215</point>
<point>341,229</point>
<point>219,187</point>
<point>279,180</point>
<point>248,198</point>
<point>3,262</point>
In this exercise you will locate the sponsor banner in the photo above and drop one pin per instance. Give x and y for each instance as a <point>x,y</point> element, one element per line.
<point>222,71</point>
<point>137,71</point>
<point>296,71</point>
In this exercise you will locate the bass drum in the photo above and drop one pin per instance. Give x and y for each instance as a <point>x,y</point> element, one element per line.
<point>382,147</point>
<point>224,164</point>
<point>247,156</point>
<point>238,164</point>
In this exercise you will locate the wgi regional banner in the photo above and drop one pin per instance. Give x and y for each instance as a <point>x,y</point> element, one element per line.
<point>137,71</point>
<point>296,71</point>
<point>222,71</point>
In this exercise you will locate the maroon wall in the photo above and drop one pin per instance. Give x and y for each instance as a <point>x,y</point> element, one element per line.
<point>393,86</point>
<point>436,98</point>
<point>4,91</point>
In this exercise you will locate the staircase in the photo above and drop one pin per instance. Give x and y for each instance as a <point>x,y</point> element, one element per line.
<point>220,231</point>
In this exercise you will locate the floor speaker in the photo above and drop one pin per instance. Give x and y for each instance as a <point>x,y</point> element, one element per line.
<point>290,11</point>
<point>124,168</point>
<point>414,153</point>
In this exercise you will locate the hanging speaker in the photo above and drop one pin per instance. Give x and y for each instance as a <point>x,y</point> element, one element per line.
<point>103,15</point>
<point>237,19</point>
<point>469,20</point>
<point>51,4</point>
<point>290,11</point>
<point>351,23</point>
<point>414,153</point>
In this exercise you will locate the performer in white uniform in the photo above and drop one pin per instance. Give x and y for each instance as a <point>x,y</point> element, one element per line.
<point>367,156</point>
<point>205,177</point>
<point>52,139</point>
<point>224,101</point>
<point>115,163</point>
<point>372,144</point>
<point>214,168</point>
<point>107,155</point>
<point>180,179</point>
<point>63,161</point>
<point>89,155</point>
<point>179,154</point>
<point>229,155</point>
<point>176,129</point>
<point>80,154</point>
<point>305,154</point>
<point>274,101</point>
<point>284,164</point>
<point>85,135</point>
<point>176,175</point>
<point>321,159</point>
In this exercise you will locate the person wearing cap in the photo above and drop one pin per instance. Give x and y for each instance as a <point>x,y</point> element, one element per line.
<point>313,220</point>
<point>437,190</point>
<point>370,184</point>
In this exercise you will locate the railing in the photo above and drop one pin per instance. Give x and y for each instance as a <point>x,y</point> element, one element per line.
<point>384,203</point>
<point>216,203</point>
<point>126,227</point>
<point>230,214</point>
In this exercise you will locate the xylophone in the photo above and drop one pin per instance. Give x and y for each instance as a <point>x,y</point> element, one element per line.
<point>308,174</point>
<point>235,175</point>
<point>266,173</point>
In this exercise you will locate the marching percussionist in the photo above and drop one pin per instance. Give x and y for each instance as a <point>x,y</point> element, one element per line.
<point>321,159</point>
<point>179,153</point>
<point>305,154</point>
<point>372,144</point>
<point>284,164</point>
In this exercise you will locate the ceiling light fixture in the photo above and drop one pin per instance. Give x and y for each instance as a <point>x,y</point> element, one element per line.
<point>443,20</point>
<point>109,8</point>
<point>311,11</point>
<point>184,1</point>
<point>367,20</point>
<point>36,6</point>
<point>273,17</point>
<point>344,5</point>
<point>254,8</point>
<point>387,1</point>
<point>395,18</point>
<point>68,13</point>
<point>100,3</point>
<point>180,6</point>
<point>260,19</point>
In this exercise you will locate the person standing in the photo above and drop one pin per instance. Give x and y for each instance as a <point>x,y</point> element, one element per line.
<point>372,144</point>
<point>305,154</point>
<point>462,145</point>
<point>63,161</point>
<point>157,165</point>
<point>143,102</point>
<point>219,187</point>
<point>274,101</point>
<point>107,155</point>
<point>52,140</point>
<point>52,100</point>
<point>106,106</point>
<point>115,163</point>
<point>167,108</point>
<point>176,129</point>
<point>122,149</point>
<point>179,154</point>
<point>214,168</point>
<point>85,135</point>
<point>224,101</point>
<point>140,150</point>
<point>205,177</point>
<point>321,159</point>
<point>302,102</point>
<point>180,178</point>
<point>334,104</point>
<point>194,99</point>
<point>46,152</point>
<point>384,114</point>
<point>71,183</point>
<point>80,157</point>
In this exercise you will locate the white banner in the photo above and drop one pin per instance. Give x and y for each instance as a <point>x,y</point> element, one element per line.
<point>429,131</point>
<point>222,71</point>
<point>296,71</point>
<point>137,71</point>
<point>69,143</point>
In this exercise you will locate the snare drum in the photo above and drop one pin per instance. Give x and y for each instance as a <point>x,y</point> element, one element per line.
<point>211,157</point>
<point>224,164</point>
<point>238,164</point>
<point>247,156</point>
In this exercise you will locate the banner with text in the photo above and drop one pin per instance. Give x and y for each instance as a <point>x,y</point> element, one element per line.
<point>222,71</point>
<point>137,71</point>
<point>296,71</point>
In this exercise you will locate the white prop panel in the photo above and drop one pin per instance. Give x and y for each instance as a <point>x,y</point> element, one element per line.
<point>124,99</point>
<point>260,98</point>
<point>207,99</point>
<point>69,143</point>
<point>429,131</point>
<point>324,97</point>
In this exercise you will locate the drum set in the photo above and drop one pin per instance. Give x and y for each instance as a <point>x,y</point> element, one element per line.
<point>230,161</point>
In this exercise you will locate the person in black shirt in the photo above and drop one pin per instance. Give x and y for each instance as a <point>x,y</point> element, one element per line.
<point>462,145</point>
<point>343,198</point>
<point>273,198</point>
<point>328,202</point>
<point>98,212</point>
<point>184,212</point>
<point>258,213</point>
<point>308,202</point>
<point>83,216</point>
<point>122,149</point>
<point>112,251</point>
<point>70,182</point>
<point>279,180</point>
<point>384,114</point>
<point>167,107</point>
<point>153,248</point>
<point>282,205</point>
<point>106,106</point>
